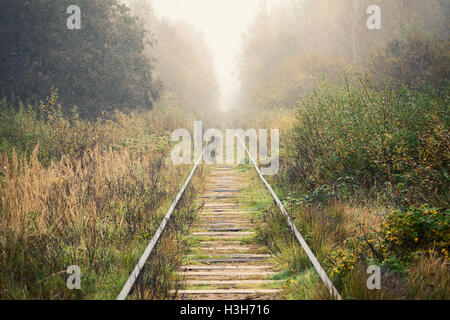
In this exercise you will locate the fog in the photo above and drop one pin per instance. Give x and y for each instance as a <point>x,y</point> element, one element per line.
<point>222,24</point>
<point>268,53</point>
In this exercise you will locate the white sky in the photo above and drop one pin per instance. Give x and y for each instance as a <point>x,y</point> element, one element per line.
<point>222,22</point>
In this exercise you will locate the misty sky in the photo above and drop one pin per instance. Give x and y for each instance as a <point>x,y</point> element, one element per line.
<point>222,22</point>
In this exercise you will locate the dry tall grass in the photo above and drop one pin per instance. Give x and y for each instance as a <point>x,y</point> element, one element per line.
<point>89,194</point>
<point>75,212</point>
<point>429,278</point>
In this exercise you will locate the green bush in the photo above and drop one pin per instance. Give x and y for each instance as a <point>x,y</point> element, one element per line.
<point>392,137</point>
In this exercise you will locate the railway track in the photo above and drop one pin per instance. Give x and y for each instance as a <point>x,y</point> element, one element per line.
<point>224,262</point>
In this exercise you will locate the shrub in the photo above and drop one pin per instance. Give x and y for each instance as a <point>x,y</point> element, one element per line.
<point>417,228</point>
<point>342,263</point>
<point>390,136</point>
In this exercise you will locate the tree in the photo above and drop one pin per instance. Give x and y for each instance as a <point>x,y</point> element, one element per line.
<point>97,68</point>
<point>289,49</point>
<point>183,62</point>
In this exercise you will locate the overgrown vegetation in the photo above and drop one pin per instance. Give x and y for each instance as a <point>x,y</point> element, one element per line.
<point>84,193</point>
<point>85,176</point>
<point>352,136</point>
<point>367,184</point>
<point>365,146</point>
<point>85,173</point>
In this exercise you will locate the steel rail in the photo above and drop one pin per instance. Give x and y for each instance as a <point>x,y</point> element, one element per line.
<point>140,265</point>
<point>322,274</point>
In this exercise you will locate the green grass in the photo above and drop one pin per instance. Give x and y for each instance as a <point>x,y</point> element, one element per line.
<point>303,286</point>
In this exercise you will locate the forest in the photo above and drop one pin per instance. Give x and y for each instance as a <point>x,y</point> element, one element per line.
<point>86,118</point>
